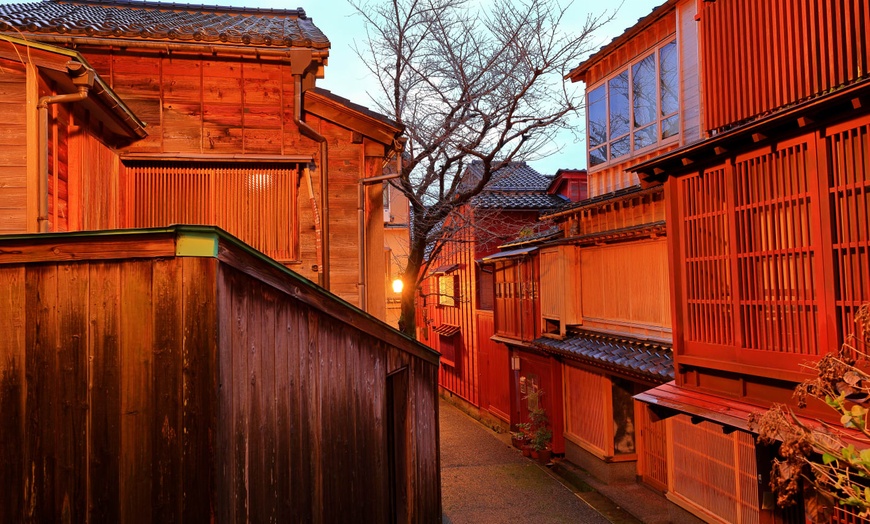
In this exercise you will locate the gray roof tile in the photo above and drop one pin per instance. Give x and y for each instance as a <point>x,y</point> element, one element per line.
<point>165,21</point>
<point>649,359</point>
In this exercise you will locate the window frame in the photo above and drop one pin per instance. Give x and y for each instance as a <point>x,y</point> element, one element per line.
<point>605,82</point>
<point>451,298</point>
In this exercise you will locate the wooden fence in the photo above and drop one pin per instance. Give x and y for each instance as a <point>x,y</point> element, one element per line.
<point>176,375</point>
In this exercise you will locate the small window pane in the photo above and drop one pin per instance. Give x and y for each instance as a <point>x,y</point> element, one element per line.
<point>645,137</point>
<point>643,84</point>
<point>598,156</point>
<point>670,126</point>
<point>618,91</point>
<point>670,83</point>
<point>597,110</point>
<point>619,147</point>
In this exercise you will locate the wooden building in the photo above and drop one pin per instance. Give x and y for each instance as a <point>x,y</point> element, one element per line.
<point>155,373</point>
<point>176,374</point>
<point>766,184</point>
<point>199,115</point>
<point>585,311</point>
<point>455,311</point>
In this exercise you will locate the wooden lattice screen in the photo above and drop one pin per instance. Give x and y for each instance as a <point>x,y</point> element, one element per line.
<point>775,252</point>
<point>587,413</point>
<point>749,238</point>
<point>848,153</point>
<point>715,471</point>
<point>256,203</point>
<point>652,463</point>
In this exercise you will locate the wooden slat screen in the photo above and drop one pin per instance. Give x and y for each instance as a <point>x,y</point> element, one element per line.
<point>256,203</point>
<point>749,237</point>
<point>707,258</point>
<point>587,410</point>
<point>849,189</point>
<point>761,56</point>
<point>775,252</point>
<point>715,471</point>
<point>652,461</point>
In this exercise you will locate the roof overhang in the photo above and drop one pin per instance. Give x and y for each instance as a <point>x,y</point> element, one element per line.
<point>797,119</point>
<point>443,270</point>
<point>326,105</point>
<point>513,253</point>
<point>669,399</point>
<point>578,74</point>
<point>119,123</point>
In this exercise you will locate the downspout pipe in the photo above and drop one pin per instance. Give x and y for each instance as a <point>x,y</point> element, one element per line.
<point>321,229</point>
<point>84,79</point>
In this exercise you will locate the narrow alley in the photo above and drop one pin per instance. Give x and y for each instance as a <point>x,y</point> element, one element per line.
<point>484,480</point>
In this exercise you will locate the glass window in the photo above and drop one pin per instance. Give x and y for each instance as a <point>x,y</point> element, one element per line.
<point>668,79</point>
<point>643,84</point>
<point>618,94</point>
<point>447,291</point>
<point>597,110</point>
<point>635,108</point>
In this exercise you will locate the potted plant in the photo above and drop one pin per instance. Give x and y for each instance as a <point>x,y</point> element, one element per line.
<point>537,428</point>
<point>521,437</point>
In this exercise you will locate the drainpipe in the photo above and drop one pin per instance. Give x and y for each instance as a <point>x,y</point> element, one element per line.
<point>83,78</point>
<point>300,59</point>
<point>361,211</point>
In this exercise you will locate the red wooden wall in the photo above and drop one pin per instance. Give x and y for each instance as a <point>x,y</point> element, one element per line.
<point>761,56</point>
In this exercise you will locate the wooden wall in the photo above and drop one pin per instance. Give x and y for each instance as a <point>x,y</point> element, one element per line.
<point>13,148</point>
<point>137,386</point>
<point>761,56</point>
<point>626,288</point>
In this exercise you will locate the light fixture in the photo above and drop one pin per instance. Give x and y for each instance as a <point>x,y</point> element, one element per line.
<point>398,285</point>
<point>515,362</point>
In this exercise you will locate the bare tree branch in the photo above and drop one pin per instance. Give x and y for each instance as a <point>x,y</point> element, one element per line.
<point>469,82</point>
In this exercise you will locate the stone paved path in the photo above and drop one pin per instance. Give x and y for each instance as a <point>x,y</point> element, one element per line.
<point>484,480</point>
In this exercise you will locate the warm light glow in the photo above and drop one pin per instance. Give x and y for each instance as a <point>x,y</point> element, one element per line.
<point>397,285</point>
<point>259,181</point>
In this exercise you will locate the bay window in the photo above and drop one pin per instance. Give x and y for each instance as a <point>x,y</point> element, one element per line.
<point>635,108</point>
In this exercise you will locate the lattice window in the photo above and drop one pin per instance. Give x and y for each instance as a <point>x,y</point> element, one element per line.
<point>748,237</point>
<point>715,471</point>
<point>256,203</point>
<point>587,407</point>
<point>707,255</point>
<point>849,189</point>
<point>775,252</point>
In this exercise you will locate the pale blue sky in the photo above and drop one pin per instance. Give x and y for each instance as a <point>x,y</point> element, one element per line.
<point>347,77</point>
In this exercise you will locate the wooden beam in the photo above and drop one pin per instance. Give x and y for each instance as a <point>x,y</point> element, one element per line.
<point>857,103</point>
<point>720,150</point>
<point>804,121</point>
<point>686,161</point>
<point>758,137</point>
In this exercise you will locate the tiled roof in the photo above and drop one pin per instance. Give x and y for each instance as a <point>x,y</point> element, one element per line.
<point>165,21</point>
<point>546,234</point>
<point>619,194</point>
<point>514,186</point>
<point>650,360</point>
<point>516,176</point>
<point>506,200</point>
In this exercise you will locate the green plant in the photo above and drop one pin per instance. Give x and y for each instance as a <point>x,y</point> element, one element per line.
<point>819,453</point>
<point>539,430</point>
<point>523,432</point>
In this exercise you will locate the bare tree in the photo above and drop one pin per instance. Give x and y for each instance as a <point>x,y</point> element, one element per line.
<point>468,82</point>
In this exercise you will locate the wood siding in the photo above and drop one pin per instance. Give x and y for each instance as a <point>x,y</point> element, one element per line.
<point>561,289</point>
<point>517,301</point>
<point>618,296</point>
<point>762,56</point>
<point>138,386</point>
<point>494,369</point>
<point>13,149</point>
<point>588,412</point>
